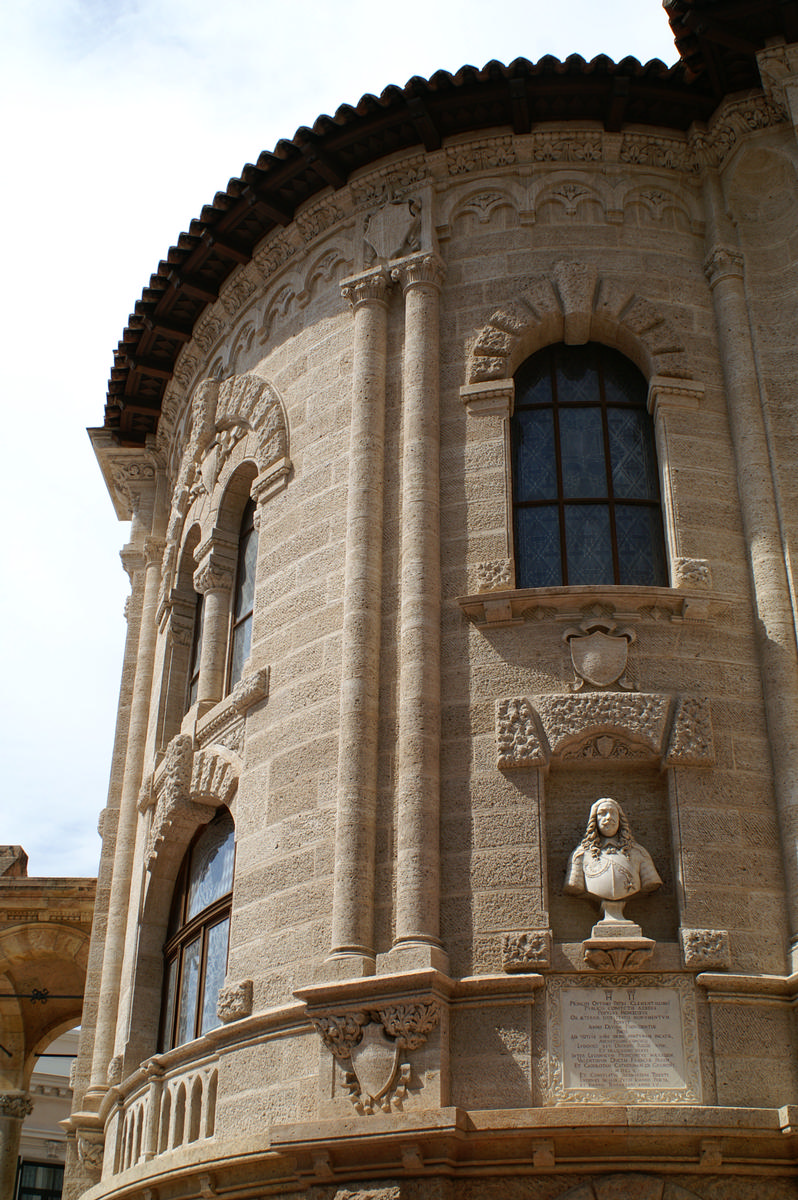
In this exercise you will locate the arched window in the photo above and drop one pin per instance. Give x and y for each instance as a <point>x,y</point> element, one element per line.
<point>195,953</point>
<point>586,504</point>
<point>243,596</point>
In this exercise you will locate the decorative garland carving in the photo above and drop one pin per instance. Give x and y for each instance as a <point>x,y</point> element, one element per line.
<point>692,742</point>
<point>526,950</point>
<point>530,731</point>
<point>482,155</point>
<point>706,948</point>
<point>494,576</point>
<point>636,721</point>
<point>517,740</point>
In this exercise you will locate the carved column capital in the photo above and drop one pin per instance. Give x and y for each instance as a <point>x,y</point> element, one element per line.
<point>372,287</point>
<point>15,1104</point>
<point>213,576</point>
<point>419,270</point>
<point>153,550</point>
<point>723,262</point>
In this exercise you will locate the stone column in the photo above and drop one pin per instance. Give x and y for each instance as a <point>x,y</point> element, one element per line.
<point>418,772</point>
<point>152,547</point>
<point>14,1108</point>
<point>775,626</point>
<point>214,578</point>
<point>671,401</point>
<point>355,834</point>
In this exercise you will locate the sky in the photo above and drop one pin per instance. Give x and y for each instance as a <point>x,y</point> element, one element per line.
<point>122,118</point>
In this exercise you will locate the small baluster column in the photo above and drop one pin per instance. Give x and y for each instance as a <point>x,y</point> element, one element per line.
<point>214,577</point>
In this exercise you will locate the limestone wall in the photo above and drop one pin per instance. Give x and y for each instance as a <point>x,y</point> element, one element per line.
<point>412,753</point>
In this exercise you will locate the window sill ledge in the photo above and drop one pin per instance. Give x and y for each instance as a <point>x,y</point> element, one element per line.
<point>499,609</point>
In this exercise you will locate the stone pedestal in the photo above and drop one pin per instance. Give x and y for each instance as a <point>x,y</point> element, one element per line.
<point>617,946</point>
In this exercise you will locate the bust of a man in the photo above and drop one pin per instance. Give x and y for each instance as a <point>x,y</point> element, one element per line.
<point>608,864</point>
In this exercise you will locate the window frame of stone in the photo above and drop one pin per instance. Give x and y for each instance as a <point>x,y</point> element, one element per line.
<point>195,653</point>
<point>557,366</point>
<point>242,596</point>
<point>185,935</point>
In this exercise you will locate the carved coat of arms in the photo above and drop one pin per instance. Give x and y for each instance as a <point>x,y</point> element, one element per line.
<point>389,229</point>
<point>599,655</point>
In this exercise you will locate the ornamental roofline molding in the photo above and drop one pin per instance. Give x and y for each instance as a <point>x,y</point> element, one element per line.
<point>426,115</point>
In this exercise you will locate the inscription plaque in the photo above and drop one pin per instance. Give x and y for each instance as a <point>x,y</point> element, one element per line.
<point>632,1040</point>
<point>627,1037</point>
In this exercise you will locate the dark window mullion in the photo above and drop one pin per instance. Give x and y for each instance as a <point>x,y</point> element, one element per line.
<point>605,426</point>
<point>555,417</point>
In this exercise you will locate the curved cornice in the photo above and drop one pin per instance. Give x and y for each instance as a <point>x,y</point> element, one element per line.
<point>422,115</point>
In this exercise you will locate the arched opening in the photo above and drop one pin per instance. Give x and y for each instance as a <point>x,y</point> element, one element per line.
<point>195,953</point>
<point>586,501</point>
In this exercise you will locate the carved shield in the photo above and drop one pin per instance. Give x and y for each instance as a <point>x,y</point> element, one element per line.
<point>388,229</point>
<point>375,1060</point>
<point>599,659</point>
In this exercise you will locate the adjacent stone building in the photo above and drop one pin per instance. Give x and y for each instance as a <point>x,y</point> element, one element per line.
<point>459,440</point>
<point>44,951</point>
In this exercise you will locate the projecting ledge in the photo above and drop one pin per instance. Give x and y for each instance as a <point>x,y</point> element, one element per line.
<point>498,609</point>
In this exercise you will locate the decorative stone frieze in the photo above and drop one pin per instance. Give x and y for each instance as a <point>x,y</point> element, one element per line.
<point>526,950</point>
<point>495,576</point>
<point>691,741</point>
<point>480,155</point>
<point>531,731</point>
<point>635,720</point>
<point>517,739</point>
<point>235,1001</point>
<point>706,949</point>
<point>91,1151</point>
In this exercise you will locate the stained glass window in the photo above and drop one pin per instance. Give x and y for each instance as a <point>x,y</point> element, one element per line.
<point>586,500</point>
<point>195,954</point>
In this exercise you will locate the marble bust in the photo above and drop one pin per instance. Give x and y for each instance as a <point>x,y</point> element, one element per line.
<point>608,865</point>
